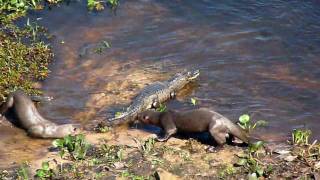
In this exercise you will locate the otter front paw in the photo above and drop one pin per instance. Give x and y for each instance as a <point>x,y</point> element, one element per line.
<point>161,139</point>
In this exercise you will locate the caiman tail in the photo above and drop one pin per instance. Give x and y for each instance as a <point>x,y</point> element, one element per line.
<point>236,131</point>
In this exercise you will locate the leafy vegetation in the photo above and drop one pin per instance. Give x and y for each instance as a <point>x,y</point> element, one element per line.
<point>99,5</point>
<point>246,124</point>
<point>300,136</point>
<point>249,161</point>
<point>45,172</point>
<point>193,101</point>
<point>75,145</point>
<point>162,108</point>
<point>21,63</point>
<point>22,172</point>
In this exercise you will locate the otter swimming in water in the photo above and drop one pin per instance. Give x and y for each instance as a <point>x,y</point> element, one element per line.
<point>30,119</point>
<point>198,120</point>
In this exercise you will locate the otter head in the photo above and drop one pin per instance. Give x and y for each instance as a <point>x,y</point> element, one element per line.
<point>148,117</point>
<point>66,129</point>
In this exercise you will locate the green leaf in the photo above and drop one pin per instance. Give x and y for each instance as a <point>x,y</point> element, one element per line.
<point>242,162</point>
<point>259,171</point>
<point>106,44</point>
<point>244,119</point>
<point>58,143</point>
<point>118,114</point>
<point>40,173</point>
<point>45,165</point>
<point>193,101</point>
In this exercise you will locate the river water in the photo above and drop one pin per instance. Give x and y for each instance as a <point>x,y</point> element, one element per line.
<point>255,57</point>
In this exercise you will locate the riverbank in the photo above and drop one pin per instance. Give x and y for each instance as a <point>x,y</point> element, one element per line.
<point>134,154</point>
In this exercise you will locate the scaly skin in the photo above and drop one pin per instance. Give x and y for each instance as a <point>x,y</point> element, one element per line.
<point>153,95</point>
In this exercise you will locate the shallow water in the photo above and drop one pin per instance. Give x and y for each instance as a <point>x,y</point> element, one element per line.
<point>255,57</point>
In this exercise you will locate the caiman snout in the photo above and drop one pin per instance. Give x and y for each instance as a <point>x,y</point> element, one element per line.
<point>193,74</point>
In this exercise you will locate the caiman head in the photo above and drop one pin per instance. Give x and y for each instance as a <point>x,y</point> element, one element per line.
<point>182,78</point>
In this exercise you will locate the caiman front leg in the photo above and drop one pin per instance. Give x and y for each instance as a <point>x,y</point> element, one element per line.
<point>155,103</point>
<point>172,95</point>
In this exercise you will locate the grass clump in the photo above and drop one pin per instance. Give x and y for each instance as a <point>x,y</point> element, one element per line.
<point>21,64</point>
<point>300,137</point>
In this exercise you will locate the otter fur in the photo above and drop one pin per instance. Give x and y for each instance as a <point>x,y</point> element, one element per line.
<point>198,120</point>
<point>30,119</point>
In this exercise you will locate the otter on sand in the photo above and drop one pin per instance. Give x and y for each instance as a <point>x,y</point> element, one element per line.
<point>29,118</point>
<point>199,120</point>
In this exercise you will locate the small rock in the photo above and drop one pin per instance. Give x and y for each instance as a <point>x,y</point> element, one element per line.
<point>290,158</point>
<point>118,165</point>
<point>317,165</point>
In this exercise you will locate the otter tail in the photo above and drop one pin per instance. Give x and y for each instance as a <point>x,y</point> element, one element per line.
<point>236,131</point>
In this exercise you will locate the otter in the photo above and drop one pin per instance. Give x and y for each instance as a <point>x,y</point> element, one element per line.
<point>198,120</point>
<point>30,119</point>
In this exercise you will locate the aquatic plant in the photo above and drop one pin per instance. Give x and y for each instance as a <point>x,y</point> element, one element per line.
<point>193,101</point>
<point>300,137</point>
<point>99,5</point>
<point>75,145</point>
<point>111,153</point>
<point>249,161</point>
<point>246,124</point>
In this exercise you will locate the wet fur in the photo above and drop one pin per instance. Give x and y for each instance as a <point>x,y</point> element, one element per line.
<point>199,120</point>
<point>30,119</point>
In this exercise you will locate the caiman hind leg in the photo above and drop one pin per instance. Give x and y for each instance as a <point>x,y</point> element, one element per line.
<point>172,95</point>
<point>155,103</point>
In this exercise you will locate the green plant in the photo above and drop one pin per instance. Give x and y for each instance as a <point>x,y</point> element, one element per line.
<point>45,171</point>
<point>75,145</point>
<point>104,129</point>
<point>226,170</point>
<point>94,4</point>
<point>300,136</point>
<point>193,101</point>
<point>252,164</point>
<point>148,145</point>
<point>127,174</point>
<point>162,108</point>
<point>103,45</point>
<point>22,172</point>
<point>118,114</point>
<point>111,153</point>
<point>246,124</point>
<point>113,3</point>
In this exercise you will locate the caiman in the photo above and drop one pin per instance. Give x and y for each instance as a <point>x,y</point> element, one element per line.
<point>153,95</point>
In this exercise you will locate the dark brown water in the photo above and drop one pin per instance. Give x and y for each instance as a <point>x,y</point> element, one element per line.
<point>256,57</point>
